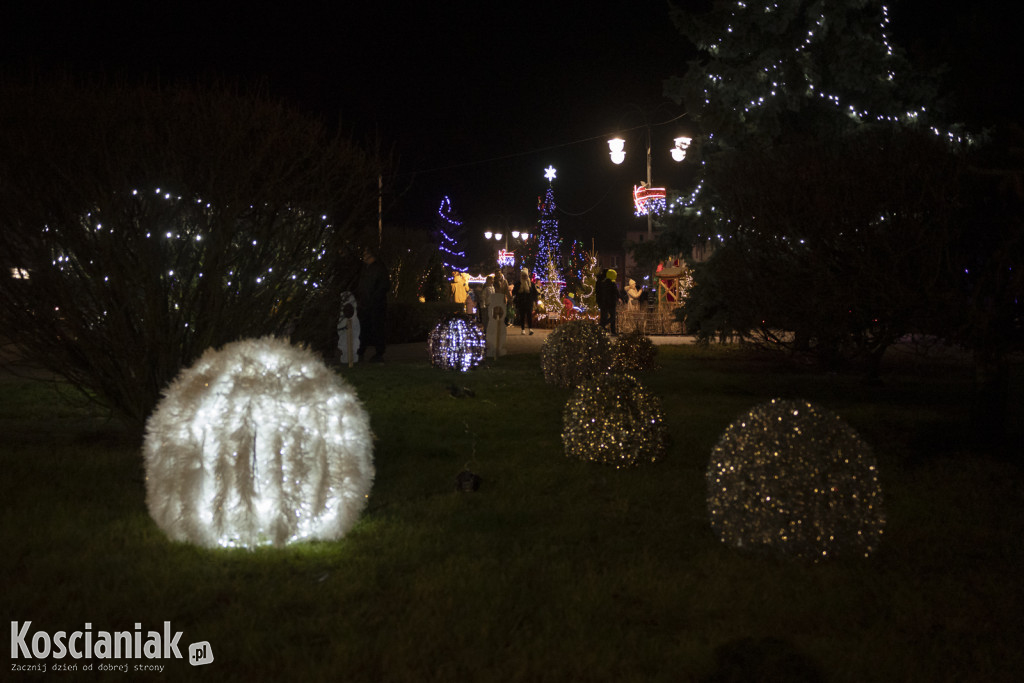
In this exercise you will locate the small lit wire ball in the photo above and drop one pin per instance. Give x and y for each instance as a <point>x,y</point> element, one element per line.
<point>613,419</point>
<point>258,443</point>
<point>633,352</point>
<point>795,478</point>
<point>456,343</point>
<point>573,352</point>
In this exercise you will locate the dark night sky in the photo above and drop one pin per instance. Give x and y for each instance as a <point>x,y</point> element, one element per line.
<point>478,98</point>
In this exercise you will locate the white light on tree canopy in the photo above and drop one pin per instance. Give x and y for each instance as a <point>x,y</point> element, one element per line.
<point>456,343</point>
<point>550,173</point>
<point>258,443</point>
<point>796,478</point>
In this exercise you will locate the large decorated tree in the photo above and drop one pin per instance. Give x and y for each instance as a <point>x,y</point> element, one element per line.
<point>828,190</point>
<point>549,241</point>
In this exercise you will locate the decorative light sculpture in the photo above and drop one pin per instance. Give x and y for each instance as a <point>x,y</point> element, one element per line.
<point>633,352</point>
<point>795,478</point>
<point>456,343</point>
<point>506,258</point>
<point>613,419</point>
<point>574,351</point>
<point>617,147</point>
<point>257,443</point>
<point>648,199</point>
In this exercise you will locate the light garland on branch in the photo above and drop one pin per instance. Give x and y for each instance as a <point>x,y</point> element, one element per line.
<point>258,443</point>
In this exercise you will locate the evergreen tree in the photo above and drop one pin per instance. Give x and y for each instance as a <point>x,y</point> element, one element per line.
<point>821,176</point>
<point>772,70</point>
<point>450,232</point>
<point>549,242</point>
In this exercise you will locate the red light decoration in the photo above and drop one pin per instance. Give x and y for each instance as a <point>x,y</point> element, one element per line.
<point>643,194</point>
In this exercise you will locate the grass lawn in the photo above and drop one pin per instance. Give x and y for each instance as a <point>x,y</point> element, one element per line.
<point>555,570</point>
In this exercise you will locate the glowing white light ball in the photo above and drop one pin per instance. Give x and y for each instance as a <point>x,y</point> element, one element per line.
<point>796,478</point>
<point>258,443</point>
<point>456,343</point>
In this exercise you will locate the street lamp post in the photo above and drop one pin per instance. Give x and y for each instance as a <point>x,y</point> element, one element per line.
<point>517,236</point>
<point>617,151</point>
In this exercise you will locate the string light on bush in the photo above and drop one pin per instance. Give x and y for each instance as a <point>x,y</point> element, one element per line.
<point>456,343</point>
<point>257,443</point>
<point>795,478</point>
<point>613,419</point>
<point>574,351</point>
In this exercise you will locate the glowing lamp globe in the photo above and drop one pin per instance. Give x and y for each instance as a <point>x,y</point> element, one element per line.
<point>679,151</point>
<point>617,150</point>
<point>612,419</point>
<point>795,478</point>
<point>575,351</point>
<point>257,443</point>
<point>456,343</point>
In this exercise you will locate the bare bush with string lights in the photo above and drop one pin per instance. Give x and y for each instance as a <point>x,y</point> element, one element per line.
<point>148,224</point>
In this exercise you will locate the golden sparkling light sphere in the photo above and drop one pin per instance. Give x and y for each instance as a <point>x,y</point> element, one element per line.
<point>573,352</point>
<point>792,477</point>
<point>613,419</point>
<point>456,343</point>
<point>633,352</point>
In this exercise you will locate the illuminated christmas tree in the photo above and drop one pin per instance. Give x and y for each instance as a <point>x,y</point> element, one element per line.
<point>450,232</point>
<point>549,242</point>
<point>551,291</point>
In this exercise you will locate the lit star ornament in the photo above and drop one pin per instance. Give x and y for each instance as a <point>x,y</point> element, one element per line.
<point>258,443</point>
<point>549,173</point>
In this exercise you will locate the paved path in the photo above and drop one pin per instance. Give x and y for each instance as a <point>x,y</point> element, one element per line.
<point>515,343</point>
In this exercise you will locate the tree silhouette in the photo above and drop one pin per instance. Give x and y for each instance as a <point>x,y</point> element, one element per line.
<point>147,224</point>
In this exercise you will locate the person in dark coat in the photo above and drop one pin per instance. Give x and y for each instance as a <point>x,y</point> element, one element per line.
<point>372,309</point>
<point>524,293</point>
<point>607,299</point>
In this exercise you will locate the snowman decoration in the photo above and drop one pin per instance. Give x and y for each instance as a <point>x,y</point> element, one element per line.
<point>348,329</point>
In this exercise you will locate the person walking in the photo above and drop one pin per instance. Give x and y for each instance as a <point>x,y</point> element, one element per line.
<point>372,298</point>
<point>501,286</point>
<point>485,301</point>
<point>524,293</point>
<point>608,299</point>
